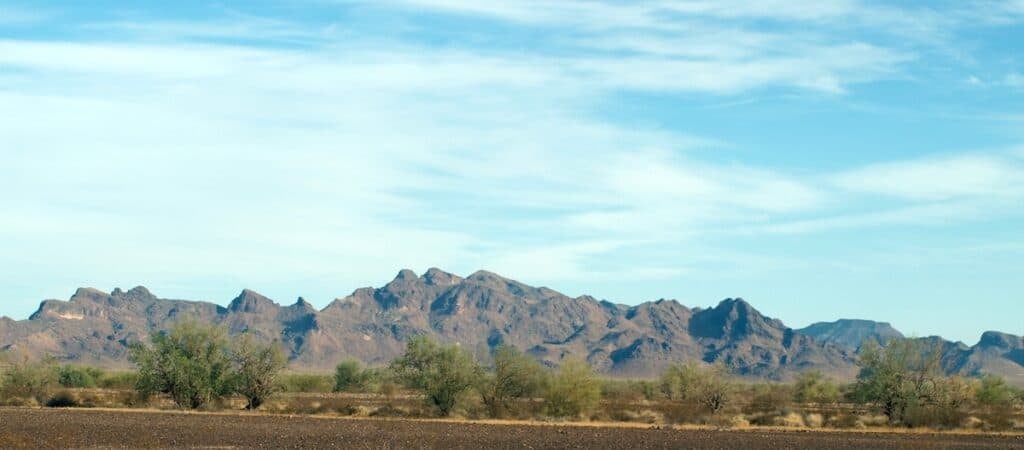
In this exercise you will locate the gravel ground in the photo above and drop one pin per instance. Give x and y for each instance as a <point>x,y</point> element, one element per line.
<point>83,428</point>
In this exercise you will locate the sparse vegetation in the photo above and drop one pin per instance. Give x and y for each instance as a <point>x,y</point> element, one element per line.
<point>25,380</point>
<point>194,366</point>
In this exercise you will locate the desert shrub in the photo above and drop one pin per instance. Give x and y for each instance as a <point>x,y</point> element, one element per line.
<point>191,363</point>
<point>680,381</point>
<point>78,377</point>
<point>707,387</point>
<point>770,399</point>
<point>305,383</point>
<point>26,379</point>
<point>992,390</point>
<point>812,387</point>
<point>349,376</point>
<point>256,369</point>
<point>515,376</point>
<point>443,372</point>
<point>573,391</point>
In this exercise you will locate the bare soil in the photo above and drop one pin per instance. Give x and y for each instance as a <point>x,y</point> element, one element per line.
<point>85,428</point>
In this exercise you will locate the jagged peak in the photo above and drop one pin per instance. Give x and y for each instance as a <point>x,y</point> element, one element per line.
<point>250,301</point>
<point>406,275</point>
<point>301,303</point>
<point>135,292</point>
<point>437,276</point>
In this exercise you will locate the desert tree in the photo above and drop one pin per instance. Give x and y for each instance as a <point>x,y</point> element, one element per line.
<point>903,376</point>
<point>256,369</point>
<point>443,372</point>
<point>191,363</point>
<point>516,375</point>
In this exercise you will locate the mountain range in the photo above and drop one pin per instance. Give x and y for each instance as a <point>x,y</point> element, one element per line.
<point>478,313</point>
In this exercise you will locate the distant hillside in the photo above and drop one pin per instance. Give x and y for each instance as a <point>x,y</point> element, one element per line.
<point>478,313</point>
<point>851,333</point>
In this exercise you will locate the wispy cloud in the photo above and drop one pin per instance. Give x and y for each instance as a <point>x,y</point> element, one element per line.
<point>940,178</point>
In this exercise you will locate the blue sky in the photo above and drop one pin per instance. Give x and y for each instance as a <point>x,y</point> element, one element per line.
<point>835,159</point>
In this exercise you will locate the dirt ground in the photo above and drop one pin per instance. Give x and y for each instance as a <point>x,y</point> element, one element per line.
<point>84,428</point>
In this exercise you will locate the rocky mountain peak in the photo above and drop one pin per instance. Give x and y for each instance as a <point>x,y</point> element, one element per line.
<point>406,275</point>
<point>89,294</point>
<point>438,277</point>
<point>733,317</point>
<point>1000,340</point>
<point>250,301</point>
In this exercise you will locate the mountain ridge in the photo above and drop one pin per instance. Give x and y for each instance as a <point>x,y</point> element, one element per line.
<point>478,312</point>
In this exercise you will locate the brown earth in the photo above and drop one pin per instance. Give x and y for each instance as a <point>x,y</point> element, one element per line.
<point>78,428</point>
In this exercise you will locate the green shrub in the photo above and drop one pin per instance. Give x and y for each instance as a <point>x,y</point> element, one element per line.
<point>812,387</point>
<point>515,376</point>
<point>992,390</point>
<point>348,375</point>
<point>707,387</point>
<point>574,391</point>
<point>78,377</point>
<point>443,373</point>
<point>191,363</point>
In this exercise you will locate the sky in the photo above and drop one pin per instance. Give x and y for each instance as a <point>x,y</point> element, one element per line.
<point>823,160</point>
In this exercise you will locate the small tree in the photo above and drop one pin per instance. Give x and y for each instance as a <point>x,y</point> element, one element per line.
<point>444,373</point>
<point>904,376</point>
<point>347,375</point>
<point>256,370</point>
<point>191,363</point>
<point>516,375</point>
<point>574,390</point>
